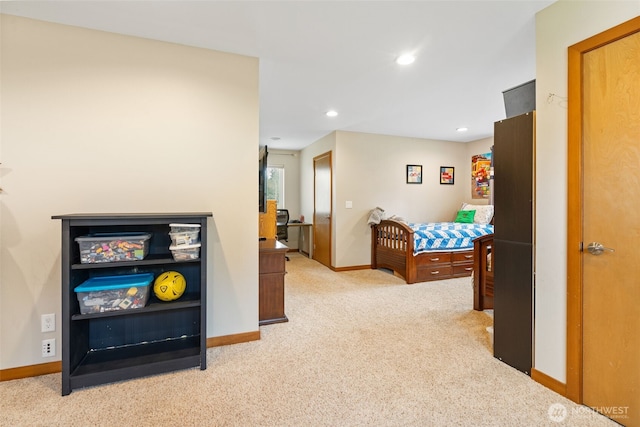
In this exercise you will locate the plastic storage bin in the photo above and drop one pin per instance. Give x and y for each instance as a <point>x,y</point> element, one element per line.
<point>110,293</point>
<point>179,228</point>
<point>185,235</point>
<point>185,252</point>
<point>113,247</point>
<point>180,238</point>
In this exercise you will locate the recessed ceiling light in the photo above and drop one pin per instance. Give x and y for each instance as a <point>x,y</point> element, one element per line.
<point>462,129</point>
<point>406,59</point>
<point>332,113</point>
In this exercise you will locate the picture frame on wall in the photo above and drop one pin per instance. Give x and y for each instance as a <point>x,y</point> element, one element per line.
<point>480,175</point>
<point>447,175</point>
<point>414,174</point>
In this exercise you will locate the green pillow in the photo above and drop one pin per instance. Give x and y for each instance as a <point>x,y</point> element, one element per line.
<point>465,216</point>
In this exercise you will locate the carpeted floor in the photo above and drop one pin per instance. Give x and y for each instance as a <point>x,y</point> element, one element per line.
<point>361,348</point>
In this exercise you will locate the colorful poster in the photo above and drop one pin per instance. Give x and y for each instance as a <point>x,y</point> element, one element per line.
<point>480,168</point>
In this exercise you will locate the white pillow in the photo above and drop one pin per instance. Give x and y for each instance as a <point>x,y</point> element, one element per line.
<point>484,213</point>
<point>398,218</point>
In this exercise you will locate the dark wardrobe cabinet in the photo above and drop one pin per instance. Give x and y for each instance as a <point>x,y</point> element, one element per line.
<point>514,180</point>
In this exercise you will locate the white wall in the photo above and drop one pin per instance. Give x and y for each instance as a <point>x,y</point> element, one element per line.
<point>99,122</point>
<point>559,26</point>
<point>369,170</point>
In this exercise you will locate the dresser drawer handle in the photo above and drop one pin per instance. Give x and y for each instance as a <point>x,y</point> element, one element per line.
<point>435,272</point>
<point>468,256</point>
<point>468,269</point>
<point>434,259</point>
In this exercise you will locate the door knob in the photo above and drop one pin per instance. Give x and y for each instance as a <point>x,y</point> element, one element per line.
<point>595,248</point>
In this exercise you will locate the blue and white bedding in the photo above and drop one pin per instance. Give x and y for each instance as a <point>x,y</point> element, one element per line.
<point>446,236</point>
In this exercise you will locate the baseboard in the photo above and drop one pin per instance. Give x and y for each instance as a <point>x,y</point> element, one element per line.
<point>233,339</point>
<point>55,367</point>
<point>352,268</point>
<point>549,382</point>
<point>30,371</point>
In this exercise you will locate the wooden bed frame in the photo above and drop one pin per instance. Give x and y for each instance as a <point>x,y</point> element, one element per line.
<point>483,273</point>
<point>392,248</point>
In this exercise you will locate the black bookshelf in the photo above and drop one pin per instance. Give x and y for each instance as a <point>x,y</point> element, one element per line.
<point>111,346</point>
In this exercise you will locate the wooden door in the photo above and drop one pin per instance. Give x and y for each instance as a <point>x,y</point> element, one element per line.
<point>611,209</point>
<point>610,206</point>
<point>322,212</point>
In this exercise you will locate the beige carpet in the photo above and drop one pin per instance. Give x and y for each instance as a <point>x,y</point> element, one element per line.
<point>361,348</point>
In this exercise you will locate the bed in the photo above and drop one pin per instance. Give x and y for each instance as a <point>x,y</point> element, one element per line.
<point>483,273</point>
<point>398,246</point>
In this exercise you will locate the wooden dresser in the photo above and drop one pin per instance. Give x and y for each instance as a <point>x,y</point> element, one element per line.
<point>271,278</point>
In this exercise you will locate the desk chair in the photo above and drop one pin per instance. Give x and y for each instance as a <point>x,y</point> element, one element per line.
<point>282,219</point>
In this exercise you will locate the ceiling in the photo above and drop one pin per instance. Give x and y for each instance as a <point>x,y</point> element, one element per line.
<point>321,55</point>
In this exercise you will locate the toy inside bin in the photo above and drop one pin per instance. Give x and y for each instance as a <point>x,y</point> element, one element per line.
<point>111,293</point>
<point>184,234</point>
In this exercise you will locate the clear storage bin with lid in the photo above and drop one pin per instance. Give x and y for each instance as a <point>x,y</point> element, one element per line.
<point>113,247</point>
<point>110,293</point>
<point>185,252</point>
<point>184,234</point>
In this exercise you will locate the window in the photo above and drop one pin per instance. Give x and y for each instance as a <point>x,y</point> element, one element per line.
<point>275,185</point>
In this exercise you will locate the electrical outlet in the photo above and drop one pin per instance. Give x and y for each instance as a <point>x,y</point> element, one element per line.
<point>49,347</point>
<point>48,322</point>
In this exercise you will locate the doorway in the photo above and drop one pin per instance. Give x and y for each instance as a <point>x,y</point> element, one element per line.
<point>322,208</point>
<point>603,313</point>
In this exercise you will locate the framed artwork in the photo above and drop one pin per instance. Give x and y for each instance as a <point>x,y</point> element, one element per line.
<point>414,174</point>
<point>480,171</point>
<point>447,175</point>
